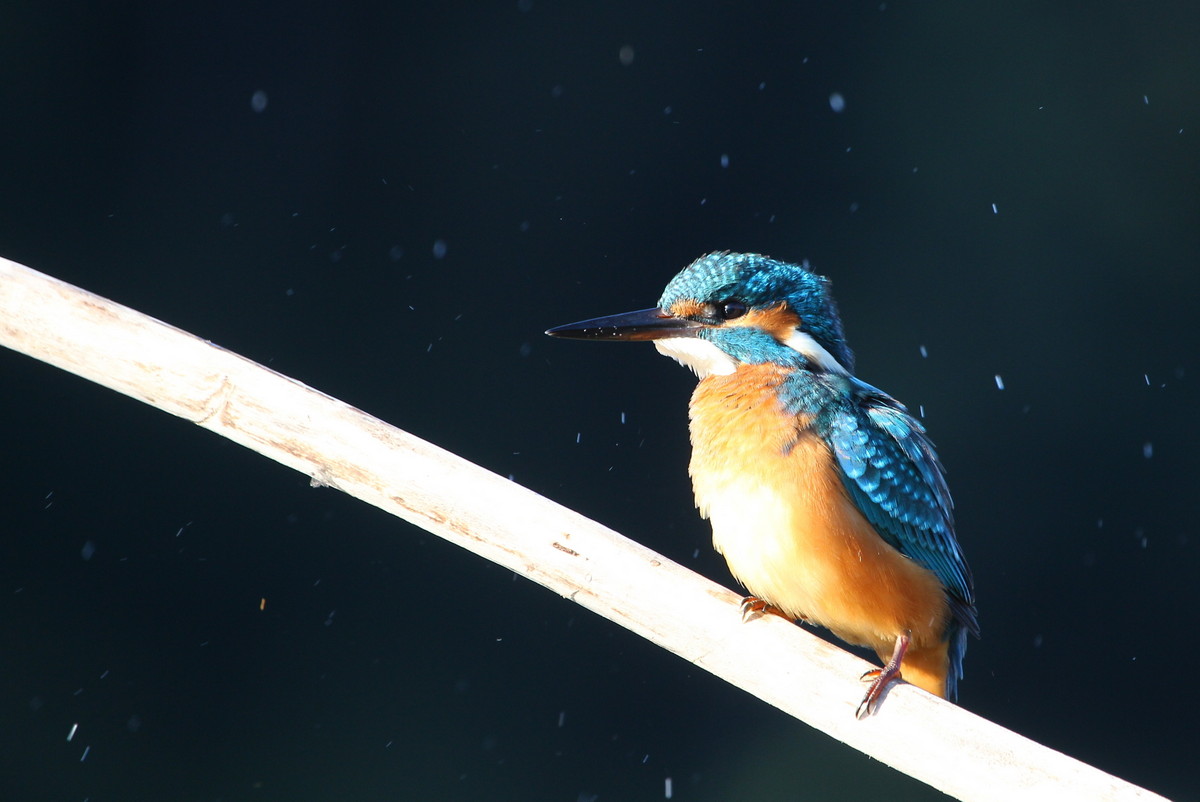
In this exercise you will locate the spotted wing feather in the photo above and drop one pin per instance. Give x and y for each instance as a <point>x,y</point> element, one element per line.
<point>890,469</point>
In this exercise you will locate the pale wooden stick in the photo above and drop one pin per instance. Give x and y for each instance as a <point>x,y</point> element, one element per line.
<point>340,446</point>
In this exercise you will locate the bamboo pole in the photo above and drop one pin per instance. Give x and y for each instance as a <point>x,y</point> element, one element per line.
<point>342,447</point>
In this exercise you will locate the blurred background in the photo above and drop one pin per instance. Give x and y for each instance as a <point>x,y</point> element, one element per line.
<point>391,202</point>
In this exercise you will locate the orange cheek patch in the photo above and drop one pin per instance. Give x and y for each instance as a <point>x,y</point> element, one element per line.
<point>687,309</point>
<point>779,321</point>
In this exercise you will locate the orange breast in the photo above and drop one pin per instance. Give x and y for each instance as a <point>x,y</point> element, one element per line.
<point>790,532</point>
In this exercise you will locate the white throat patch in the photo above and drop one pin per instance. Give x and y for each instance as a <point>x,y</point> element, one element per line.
<point>704,358</point>
<point>804,343</point>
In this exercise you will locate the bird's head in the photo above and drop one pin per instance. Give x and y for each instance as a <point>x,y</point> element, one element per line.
<point>726,309</point>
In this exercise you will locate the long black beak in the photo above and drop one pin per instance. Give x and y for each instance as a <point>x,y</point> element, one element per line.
<point>644,324</point>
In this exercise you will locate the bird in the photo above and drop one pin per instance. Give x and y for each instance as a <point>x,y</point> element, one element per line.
<point>825,496</point>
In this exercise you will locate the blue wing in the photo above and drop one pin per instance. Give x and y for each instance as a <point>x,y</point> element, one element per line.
<point>892,473</point>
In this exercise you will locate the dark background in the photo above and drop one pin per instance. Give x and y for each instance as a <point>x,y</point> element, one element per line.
<point>1013,187</point>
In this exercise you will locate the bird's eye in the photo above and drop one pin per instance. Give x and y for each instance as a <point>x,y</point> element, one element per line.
<point>732,309</point>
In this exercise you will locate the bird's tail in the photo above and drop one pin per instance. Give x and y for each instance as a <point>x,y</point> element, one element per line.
<point>936,668</point>
<point>964,620</point>
<point>956,641</point>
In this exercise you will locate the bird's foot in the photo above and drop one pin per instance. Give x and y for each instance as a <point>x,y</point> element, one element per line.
<point>881,678</point>
<point>753,607</point>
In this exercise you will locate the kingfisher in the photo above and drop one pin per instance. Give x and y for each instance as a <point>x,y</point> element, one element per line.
<point>825,495</point>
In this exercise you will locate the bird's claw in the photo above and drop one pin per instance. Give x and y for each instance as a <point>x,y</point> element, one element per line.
<point>881,678</point>
<point>752,607</point>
